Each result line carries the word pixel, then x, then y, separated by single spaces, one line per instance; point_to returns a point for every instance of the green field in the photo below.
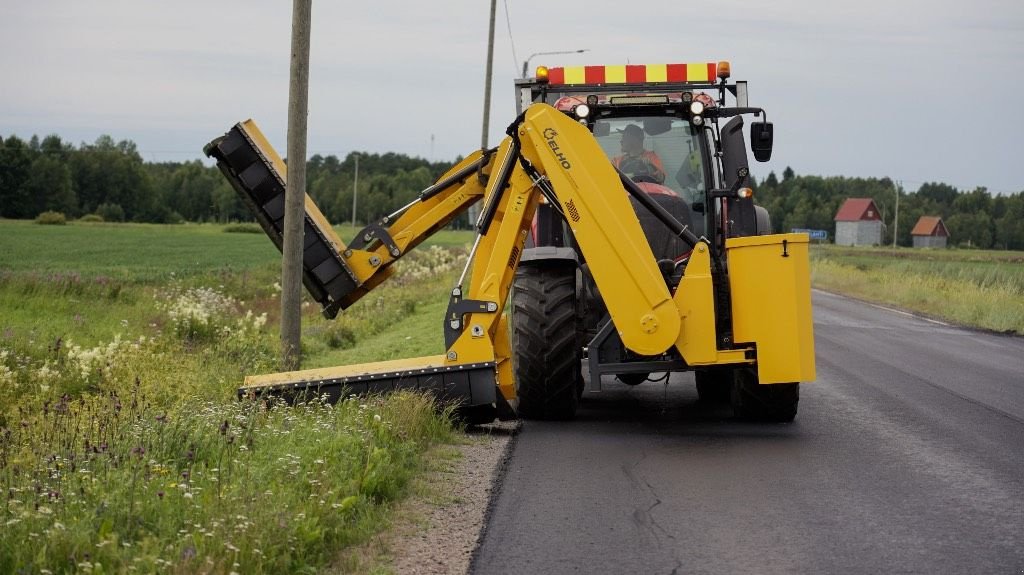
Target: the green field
pixel 122 446
pixel 975 288
pixel 149 252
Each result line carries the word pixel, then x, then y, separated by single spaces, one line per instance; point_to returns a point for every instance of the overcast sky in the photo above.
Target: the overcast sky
pixel 917 90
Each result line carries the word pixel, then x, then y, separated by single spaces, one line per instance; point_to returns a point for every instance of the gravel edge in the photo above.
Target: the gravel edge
pixel 440 531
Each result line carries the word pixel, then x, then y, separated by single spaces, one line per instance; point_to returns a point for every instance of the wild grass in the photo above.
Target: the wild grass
pixel 122 446
pixel 111 483
pixel 403 318
pixel 973 288
pixel 51 219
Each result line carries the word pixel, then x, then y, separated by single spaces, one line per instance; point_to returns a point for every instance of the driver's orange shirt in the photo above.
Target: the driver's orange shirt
pixel 652 160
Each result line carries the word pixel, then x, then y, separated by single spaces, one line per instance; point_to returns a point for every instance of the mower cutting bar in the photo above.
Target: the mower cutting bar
pixel 258 175
pixel 468 384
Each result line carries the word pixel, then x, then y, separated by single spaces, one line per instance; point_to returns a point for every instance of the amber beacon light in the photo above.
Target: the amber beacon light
pixel 723 70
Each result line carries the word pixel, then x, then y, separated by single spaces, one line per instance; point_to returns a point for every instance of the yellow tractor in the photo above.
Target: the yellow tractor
pixel 617 219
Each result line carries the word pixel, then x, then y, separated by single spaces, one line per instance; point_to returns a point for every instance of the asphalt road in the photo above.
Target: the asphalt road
pixel 907 456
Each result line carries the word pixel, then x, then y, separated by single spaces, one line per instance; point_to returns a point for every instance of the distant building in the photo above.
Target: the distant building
pixel 858 223
pixel 930 232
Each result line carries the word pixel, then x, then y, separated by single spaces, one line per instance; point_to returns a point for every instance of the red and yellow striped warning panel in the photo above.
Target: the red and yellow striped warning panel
pixel 633 74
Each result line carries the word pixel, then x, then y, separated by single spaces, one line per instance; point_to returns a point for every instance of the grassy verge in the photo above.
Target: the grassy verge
pixel 114 484
pixel 402 318
pixel 973 288
pixel 122 447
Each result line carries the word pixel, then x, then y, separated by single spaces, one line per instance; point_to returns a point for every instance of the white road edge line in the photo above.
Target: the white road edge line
pixel 899 311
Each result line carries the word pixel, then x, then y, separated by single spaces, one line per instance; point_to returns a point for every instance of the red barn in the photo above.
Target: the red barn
pixel 930 232
pixel 858 223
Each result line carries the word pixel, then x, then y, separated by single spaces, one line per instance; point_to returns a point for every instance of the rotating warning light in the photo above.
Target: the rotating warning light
pixel 723 70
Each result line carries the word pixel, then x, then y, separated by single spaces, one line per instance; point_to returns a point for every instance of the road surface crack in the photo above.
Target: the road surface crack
pixel 644 518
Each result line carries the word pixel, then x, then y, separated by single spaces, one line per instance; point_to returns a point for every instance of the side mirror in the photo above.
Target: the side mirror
pixel 602 129
pixel 761 140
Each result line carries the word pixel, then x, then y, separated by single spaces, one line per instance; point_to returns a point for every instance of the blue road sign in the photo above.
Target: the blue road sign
pixel 813 234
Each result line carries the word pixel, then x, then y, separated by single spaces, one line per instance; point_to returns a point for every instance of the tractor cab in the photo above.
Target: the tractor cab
pixel 672 111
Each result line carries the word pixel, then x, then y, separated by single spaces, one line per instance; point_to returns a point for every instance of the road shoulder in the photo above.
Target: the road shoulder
pixel 438 527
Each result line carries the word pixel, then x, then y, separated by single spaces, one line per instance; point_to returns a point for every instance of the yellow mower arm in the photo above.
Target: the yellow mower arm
pixel 336 274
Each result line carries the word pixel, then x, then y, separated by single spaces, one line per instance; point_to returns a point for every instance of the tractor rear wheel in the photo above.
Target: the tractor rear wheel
pixel 776 402
pixel 714 385
pixel 546 349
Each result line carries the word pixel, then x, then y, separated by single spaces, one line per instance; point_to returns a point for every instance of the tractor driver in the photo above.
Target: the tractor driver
pixel 639 164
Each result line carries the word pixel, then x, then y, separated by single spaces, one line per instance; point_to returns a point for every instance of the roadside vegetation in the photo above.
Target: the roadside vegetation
pixel 969 287
pixel 123 447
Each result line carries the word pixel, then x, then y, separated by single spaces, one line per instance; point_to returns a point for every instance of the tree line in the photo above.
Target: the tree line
pixel 110 179
pixel 974 218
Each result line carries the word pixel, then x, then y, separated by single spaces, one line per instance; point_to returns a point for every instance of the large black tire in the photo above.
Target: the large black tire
pixel 751 401
pixel 546 349
pixel 714 385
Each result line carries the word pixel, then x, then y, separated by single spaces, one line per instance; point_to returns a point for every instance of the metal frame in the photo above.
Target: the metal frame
pixel 598 367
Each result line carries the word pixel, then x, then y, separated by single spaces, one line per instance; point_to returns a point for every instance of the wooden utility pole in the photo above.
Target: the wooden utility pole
pixel 355 191
pixel 295 189
pixel 896 218
pixel 487 81
pixel 474 210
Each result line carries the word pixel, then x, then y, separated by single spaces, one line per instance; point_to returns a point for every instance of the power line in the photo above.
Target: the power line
pixel 511 40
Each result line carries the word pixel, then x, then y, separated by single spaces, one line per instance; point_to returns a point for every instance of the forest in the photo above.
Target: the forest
pixel 110 179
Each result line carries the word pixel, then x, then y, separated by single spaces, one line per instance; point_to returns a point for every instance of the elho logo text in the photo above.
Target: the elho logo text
pixel 549 136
